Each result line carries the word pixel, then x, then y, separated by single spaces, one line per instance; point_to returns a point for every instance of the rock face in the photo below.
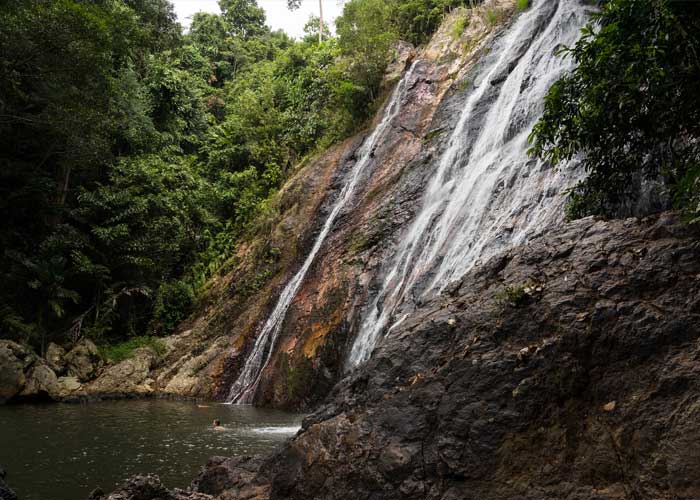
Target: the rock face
pixel 568 369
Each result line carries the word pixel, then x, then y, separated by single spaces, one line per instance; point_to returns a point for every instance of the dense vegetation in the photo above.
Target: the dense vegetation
pixel 133 157
pixel 631 109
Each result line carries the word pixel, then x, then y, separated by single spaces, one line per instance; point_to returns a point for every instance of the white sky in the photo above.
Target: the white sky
pixel 278 16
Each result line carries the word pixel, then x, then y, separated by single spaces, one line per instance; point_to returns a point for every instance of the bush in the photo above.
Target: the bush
pixel 124 350
pixel 458 27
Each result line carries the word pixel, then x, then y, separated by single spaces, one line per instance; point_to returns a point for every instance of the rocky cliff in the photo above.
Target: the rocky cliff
pixel 567 368
pixel 562 363
pixel 207 352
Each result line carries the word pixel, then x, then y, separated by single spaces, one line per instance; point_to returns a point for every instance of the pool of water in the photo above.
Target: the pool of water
pixel 62 452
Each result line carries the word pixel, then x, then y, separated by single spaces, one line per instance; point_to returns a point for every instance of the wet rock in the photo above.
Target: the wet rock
pixel 532 402
pixel 83 361
pixel 55 357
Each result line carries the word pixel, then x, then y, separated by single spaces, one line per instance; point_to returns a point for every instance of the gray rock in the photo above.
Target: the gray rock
pixel 83 361
pixel 67 387
pixel 41 381
pixel 130 377
pixel 55 357
pixel 514 401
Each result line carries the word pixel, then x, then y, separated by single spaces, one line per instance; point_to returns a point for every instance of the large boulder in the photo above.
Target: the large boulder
pixel 233 478
pixel 67 387
pixel 56 358
pixel 130 377
pixel 14 360
pixel 41 381
pixel 148 487
pixel 83 361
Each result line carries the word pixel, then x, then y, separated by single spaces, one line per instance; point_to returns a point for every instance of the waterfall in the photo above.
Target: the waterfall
pixel 243 389
pixel 485 194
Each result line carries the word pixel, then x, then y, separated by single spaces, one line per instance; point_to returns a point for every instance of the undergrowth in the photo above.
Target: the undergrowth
pixel 124 350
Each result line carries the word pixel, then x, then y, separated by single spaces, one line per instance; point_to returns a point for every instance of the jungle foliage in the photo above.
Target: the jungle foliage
pixel 631 108
pixel 134 156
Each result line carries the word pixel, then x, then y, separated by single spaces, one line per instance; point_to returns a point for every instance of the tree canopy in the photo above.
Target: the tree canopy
pixel 134 157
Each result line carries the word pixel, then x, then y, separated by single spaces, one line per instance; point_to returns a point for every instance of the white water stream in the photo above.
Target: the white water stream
pixel 485 194
pixel 243 389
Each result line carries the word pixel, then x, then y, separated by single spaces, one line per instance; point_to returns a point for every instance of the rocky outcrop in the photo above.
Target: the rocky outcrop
pixel 24 376
pixel 232 478
pixel 130 377
pixel 41 380
pixel 567 368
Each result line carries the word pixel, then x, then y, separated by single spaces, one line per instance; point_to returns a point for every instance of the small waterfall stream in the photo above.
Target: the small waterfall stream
pixel 243 389
pixel 485 194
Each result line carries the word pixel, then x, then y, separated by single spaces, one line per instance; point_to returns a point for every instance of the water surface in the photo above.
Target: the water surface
pixel 62 452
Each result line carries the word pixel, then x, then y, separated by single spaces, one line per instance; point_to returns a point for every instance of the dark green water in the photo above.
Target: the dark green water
pixel 62 452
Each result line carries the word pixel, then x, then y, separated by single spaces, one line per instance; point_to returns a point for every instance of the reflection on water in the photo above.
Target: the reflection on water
pixel 62 452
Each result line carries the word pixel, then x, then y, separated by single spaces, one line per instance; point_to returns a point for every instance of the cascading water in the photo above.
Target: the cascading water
pixel 243 389
pixel 486 194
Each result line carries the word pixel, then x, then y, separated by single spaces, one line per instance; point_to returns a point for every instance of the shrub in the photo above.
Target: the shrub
pixel 460 24
pixel 124 350
pixel 523 5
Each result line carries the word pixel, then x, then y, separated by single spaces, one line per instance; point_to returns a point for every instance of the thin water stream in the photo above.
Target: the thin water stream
pixel 243 389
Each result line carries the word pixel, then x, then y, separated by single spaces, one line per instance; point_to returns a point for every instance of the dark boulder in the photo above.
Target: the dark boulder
pixel 5 492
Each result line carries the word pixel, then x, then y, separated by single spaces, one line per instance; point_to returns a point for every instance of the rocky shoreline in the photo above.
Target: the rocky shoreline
pixel 80 374
pixel 568 368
